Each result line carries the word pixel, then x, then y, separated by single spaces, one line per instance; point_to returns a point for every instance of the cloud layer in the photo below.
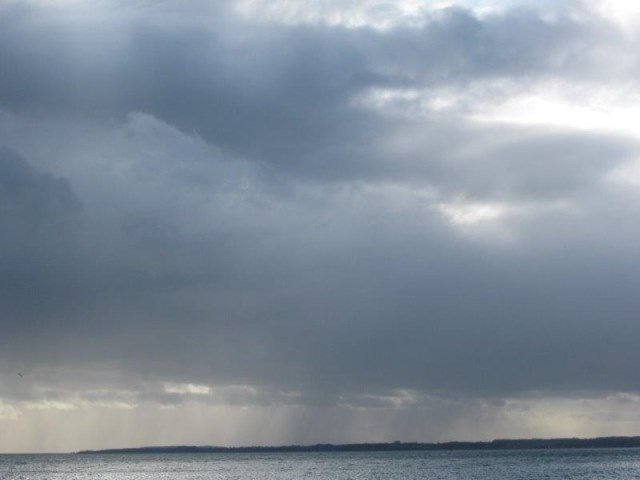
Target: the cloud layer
pixel 335 214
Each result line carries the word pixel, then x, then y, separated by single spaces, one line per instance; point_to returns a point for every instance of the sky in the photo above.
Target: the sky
pixel 276 221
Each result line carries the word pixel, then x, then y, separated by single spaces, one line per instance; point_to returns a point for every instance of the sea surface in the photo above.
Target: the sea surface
pixel 494 465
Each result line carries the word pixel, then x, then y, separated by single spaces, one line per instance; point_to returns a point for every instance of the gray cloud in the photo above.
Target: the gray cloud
pixel 215 205
pixel 276 93
pixel 40 217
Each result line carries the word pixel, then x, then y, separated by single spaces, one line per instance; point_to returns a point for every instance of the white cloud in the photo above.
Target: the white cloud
pixel 351 14
pixel 187 389
pixel 625 13
pixel 611 109
pixel 8 411
pixel 470 213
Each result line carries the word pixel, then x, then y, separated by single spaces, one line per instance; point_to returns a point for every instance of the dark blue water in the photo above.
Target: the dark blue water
pixel 496 465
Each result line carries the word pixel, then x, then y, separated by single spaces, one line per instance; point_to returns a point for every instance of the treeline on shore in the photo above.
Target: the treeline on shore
pixel 501 444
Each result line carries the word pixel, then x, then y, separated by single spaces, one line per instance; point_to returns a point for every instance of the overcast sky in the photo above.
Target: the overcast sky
pixel 279 221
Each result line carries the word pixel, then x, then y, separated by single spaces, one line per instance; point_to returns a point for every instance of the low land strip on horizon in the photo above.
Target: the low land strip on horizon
pixel 500 444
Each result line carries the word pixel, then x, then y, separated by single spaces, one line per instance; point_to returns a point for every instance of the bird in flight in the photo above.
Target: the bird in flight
pixel 20 375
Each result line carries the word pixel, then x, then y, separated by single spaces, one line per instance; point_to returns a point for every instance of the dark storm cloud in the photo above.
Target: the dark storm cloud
pixel 37 208
pixel 40 217
pixel 273 92
pixel 255 225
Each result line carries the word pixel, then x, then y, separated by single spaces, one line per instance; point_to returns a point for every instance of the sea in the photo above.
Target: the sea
pixel 583 464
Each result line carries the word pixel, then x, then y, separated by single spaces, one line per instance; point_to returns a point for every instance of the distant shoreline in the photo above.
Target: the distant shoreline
pixel 500 444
